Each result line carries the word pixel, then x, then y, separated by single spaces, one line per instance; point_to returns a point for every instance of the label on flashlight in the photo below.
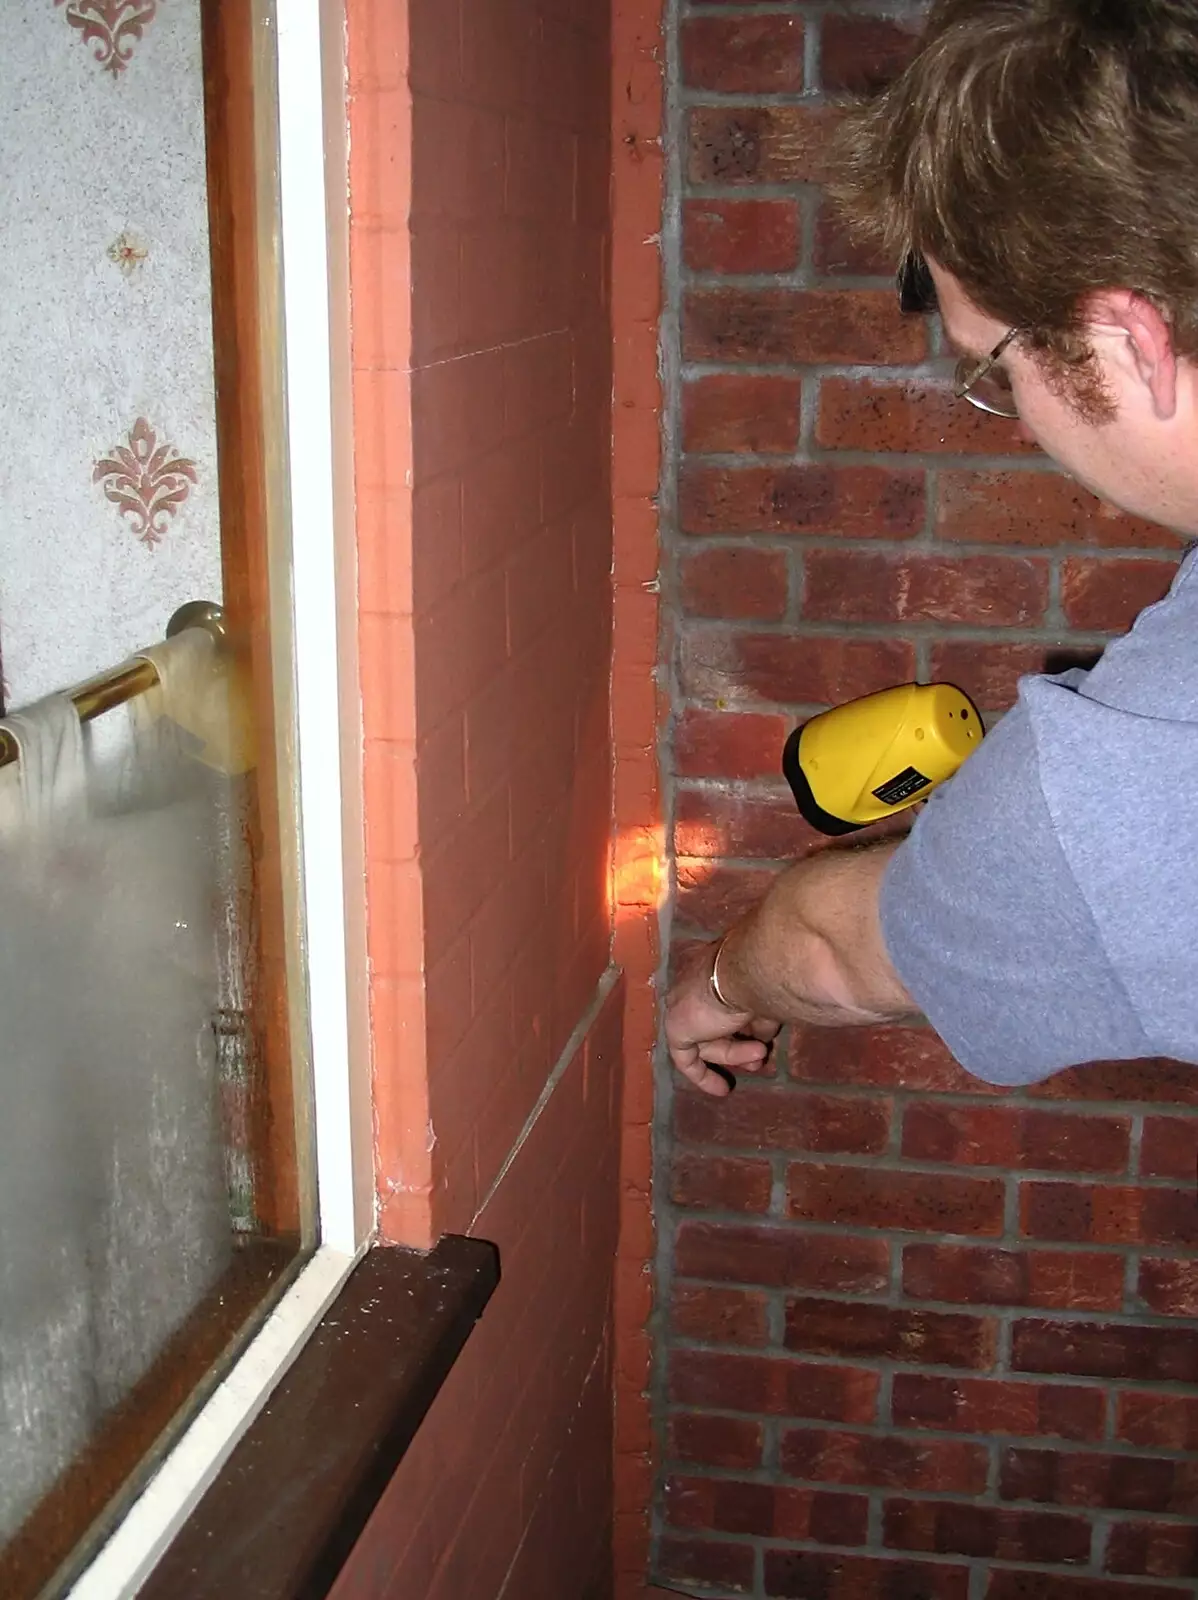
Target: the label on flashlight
pixel 901 787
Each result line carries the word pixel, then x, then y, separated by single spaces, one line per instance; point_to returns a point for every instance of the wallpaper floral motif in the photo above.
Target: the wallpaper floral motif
pixel 113 26
pixel 127 252
pixel 109 513
pixel 146 480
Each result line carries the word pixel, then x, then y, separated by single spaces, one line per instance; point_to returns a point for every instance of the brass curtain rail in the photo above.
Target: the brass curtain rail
pixel 97 695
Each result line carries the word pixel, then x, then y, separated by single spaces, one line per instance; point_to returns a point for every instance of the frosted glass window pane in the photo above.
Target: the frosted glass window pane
pixel 151 1194
pixel 129 1074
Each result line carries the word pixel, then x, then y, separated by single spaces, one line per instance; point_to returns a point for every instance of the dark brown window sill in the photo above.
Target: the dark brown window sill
pixel 286 1509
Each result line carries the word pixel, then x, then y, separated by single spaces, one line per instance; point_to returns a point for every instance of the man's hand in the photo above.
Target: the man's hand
pixel 699 1029
pixel 812 952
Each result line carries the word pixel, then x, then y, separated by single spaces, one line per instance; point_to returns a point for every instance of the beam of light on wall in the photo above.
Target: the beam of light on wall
pixel 639 881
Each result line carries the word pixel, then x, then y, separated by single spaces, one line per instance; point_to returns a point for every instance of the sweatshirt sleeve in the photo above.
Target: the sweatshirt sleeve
pixel 988 929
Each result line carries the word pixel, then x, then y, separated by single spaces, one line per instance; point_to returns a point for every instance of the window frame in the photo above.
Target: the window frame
pixel 317 481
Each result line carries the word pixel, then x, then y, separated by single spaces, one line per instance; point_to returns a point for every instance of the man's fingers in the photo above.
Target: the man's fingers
pixel 733 1052
pixel 692 1066
pixel 762 1028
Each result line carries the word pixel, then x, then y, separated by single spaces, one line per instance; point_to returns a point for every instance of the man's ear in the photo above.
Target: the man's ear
pixel 1138 342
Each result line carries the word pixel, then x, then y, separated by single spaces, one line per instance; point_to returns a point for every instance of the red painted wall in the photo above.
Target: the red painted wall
pixel 922 1338
pixel 480 237
pixel 506 1489
pixel 640 710
pixel 480 233
pixel 511 414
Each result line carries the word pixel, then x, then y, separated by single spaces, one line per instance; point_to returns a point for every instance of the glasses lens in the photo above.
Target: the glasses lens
pixel 916 288
pixel 989 391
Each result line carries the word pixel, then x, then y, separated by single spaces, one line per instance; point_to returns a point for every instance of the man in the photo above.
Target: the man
pixel 1036 168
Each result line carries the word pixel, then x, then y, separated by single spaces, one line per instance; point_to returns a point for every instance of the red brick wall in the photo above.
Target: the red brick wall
pixel 480 222
pixel 639 707
pixel 511 564
pixel 921 1338
pixel 506 1489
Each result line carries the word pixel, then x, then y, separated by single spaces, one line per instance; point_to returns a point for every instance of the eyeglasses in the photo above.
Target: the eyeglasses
pixel 983 383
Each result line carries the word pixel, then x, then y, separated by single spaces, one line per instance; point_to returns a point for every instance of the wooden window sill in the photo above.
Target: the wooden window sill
pixel 288 1505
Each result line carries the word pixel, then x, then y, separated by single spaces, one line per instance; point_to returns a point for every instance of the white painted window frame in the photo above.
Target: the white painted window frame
pixel 312 322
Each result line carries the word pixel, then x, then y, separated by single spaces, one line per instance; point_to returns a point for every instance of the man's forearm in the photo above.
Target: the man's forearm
pixel 812 950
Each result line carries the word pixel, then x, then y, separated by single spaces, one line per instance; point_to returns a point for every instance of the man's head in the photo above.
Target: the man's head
pixel 1042 155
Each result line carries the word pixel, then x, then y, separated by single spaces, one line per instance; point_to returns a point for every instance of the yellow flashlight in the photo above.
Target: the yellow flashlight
pixel 878 755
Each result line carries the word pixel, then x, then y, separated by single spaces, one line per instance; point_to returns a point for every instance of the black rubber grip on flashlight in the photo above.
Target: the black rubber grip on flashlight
pixel 809 807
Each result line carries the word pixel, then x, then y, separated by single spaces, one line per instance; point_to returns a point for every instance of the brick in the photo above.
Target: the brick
pixel 977 1275
pixel 719 1316
pixel 1115 1350
pixel 635 552
pixel 997 1406
pixel 1084 1478
pixel 715 1441
pixel 1011 1136
pixel 740 235
pixel 881 1058
pixel 983 591
pixel 761 822
pixel 781 1258
pixel 1169 1287
pixel 766 1509
pixel 1109 595
pixel 1164 1421
pixel 758 144
pixel 708 744
pixel 804 1574
pixel 740 584
pixel 812 498
pixel 884 1461
pixel 1108 1213
pixel 839 253
pixel 720 1183
pixel 773 1387
pixel 1153 1550
pixel 1153 1081
pixel 709 1561
pixel 911 417
pixel 738 667
pixel 785 1119
pixel 731 412
pixel 893 1333
pixel 743 55
pixel 1036 508
pixel 988 673
pixel 985 1532
pixel 811 326
pixel 905 1201
pixel 1169 1147
pixel 709 897
pixel 862 53
pixel 1017 1585
pixel 727 1271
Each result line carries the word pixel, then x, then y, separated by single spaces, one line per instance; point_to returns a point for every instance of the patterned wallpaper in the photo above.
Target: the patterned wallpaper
pixel 108 493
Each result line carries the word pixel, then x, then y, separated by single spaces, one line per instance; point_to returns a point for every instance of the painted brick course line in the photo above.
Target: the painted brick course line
pixel 915 1335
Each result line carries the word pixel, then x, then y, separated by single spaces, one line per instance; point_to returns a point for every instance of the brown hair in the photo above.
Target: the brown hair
pixel 1041 150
